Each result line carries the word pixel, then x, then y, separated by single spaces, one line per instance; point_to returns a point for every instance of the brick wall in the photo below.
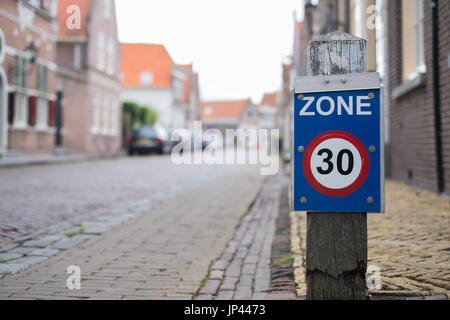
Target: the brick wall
pixel 412 114
pixel 444 67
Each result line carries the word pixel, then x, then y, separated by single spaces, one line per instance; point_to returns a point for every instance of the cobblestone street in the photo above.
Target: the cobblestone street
pixel 410 244
pixel 47 199
pixel 163 253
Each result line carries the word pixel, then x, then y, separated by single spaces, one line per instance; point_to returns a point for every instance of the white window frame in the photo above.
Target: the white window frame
pixel 42 114
pixel 419 40
pixel 111 55
pixel 20 110
pixel 101 51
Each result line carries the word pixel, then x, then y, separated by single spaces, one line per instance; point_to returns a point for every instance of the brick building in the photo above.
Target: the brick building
pixel 27 76
pixel 88 78
pixel 419 74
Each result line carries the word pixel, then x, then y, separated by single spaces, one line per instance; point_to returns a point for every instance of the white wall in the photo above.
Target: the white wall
pixel 160 99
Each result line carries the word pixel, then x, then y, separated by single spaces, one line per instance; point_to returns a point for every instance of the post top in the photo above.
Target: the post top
pixel 337 36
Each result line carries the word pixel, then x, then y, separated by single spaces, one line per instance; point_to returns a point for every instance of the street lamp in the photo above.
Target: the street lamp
pixel 31 52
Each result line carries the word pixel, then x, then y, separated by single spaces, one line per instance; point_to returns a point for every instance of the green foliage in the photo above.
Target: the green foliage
pixel 139 115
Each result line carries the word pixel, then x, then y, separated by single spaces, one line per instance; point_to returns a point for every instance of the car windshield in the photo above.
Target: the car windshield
pixel 146 132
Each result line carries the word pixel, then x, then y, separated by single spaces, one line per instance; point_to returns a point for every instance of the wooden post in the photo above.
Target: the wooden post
pixel 336 243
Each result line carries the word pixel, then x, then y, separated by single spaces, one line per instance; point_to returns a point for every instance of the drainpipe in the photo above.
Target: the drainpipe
pixel 437 98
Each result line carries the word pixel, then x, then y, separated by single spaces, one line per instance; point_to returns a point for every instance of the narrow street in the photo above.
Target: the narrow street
pixel 45 199
pixel 174 222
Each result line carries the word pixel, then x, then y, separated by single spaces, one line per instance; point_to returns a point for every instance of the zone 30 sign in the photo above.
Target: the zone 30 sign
pixel 338 144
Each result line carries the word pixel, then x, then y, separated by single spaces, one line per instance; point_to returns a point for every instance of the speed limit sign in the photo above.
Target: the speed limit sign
pixel 338 144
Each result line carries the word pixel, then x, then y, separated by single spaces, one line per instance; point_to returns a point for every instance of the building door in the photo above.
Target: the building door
pixel 58 118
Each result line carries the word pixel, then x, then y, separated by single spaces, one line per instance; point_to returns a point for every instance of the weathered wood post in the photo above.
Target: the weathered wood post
pixel 336 243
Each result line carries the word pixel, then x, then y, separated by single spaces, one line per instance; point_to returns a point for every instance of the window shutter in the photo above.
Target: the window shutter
pixel 32 111
pixel 11 101
pixel 51 113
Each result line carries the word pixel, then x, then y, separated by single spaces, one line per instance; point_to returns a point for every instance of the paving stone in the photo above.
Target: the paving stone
pixel 23 250
pixel 229 283
pixel 11 268
pixel 42 242
pixel 243 293
pixel 66 244
pixel 259 296
pixel 204 297
pixel 224 295
pixel 9 256
pixel 210 287
pixel 28 261
pixel 249 269
pixel 95 228
pixel 47 252
pixel 219 265
pixel 216 275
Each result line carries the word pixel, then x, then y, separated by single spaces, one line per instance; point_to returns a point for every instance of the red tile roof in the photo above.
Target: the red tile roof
pixel 153 58
pixel 269 99
pixel 63 16
pixel 223 109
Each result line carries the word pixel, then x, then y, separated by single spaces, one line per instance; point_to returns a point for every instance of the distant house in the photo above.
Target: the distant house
pixel 268 111
pixel 88 78
pixel 28 33
pixel 151 77
pixel 235 114
pixel 191 95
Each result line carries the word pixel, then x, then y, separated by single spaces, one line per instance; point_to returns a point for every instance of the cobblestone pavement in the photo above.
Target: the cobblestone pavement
pixel 243 271
pixel 410 245
pixel 47 199
pixel 163 253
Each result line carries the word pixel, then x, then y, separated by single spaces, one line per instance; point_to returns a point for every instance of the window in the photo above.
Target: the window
pixel 42 78
pixel 146 78
pixel 21 72
pixel 113 118
pixel 77 56
pixel 21 110
pixel 107 6
pixel 110 50
pixel 42 113
pixel 207 111
pixel 412 42
pixel 96 113
pixel 101 51
pixel 105 114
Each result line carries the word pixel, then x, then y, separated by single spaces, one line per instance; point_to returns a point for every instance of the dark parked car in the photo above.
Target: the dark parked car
pixel 149 139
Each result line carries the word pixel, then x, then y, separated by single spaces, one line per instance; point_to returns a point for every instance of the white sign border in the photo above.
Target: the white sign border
pixel 341 82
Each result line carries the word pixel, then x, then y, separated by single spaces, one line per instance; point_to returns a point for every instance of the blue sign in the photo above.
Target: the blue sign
pixel 338 145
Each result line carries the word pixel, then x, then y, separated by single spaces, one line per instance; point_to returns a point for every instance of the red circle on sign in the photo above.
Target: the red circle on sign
pixel 365 164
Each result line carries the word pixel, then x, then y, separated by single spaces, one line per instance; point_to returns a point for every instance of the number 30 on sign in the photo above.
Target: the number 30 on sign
pixel 338 144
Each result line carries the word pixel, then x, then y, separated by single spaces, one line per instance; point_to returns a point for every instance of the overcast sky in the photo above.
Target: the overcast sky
pixel 236 46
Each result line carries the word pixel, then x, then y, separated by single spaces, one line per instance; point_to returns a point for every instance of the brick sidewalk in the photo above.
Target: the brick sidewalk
pixel 161 254
pixel 410 244
pixel 243 271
